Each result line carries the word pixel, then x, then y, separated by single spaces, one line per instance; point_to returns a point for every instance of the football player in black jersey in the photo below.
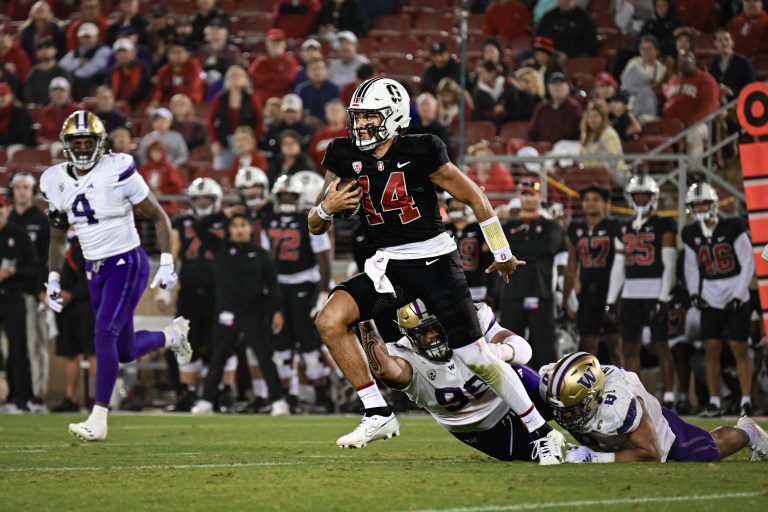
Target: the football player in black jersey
pixel 718 269
pixel 591 246
pixel 644 271
pixel 473 251
pixel 396 179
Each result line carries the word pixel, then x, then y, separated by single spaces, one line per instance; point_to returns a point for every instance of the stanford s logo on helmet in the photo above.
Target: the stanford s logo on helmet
pixel 87 126
pixel 384 98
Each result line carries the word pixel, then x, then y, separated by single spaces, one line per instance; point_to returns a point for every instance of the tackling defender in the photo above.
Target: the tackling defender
pixel 96 193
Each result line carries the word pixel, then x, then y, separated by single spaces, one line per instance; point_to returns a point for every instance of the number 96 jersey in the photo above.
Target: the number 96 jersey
pixel 99 205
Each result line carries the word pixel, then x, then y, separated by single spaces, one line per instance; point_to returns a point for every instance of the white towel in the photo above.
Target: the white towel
pixel 375 269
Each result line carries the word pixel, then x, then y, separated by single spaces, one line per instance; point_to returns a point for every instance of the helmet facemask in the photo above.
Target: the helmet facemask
pixel 376 134
pixel 254 202
pixel 429 339
pixel 203 212
pixel 576 416
pixel 286 202
pixel 83 151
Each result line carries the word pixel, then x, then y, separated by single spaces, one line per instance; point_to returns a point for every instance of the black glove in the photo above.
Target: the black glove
pixel 733 305
pixel 659 313
pixel 611 313
pixel 698 302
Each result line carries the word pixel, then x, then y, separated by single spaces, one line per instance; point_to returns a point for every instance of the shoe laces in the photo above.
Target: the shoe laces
pixel 542 448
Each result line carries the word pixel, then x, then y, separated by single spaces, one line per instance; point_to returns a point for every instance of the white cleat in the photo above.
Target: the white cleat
pixel 280 408
pixel 202 408
pixel 549 449
pixel 759 446
pixel 180 346
pixel 89 430
pixel 371 428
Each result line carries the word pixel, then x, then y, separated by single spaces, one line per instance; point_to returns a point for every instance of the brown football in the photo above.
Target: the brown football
pixel 349 212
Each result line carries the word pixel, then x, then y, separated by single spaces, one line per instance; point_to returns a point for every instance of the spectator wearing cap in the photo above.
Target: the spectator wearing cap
pixel 15 125
pixel 217 54
pixel 89 62
pixel 159 31
pixel 105 109
pixel 642 78
pixel 441 65
pixel 181 75
pixel 129 15
pixel 235 105
pixel 290 158
pixel 545 58
pixel 272 74
pixel 571 28
pixel 336 121
pixel 605 86
pixel 558 117
pixel 750 29
pixel 129 78
pixel 492 178
pixel 40 25
pixel 175 147
pixel 41 74
pixel 311 49
pixel 631 15
pixel 182 34
pixel 599 138
pixel 528 301
pixel 207 13
pixel 186 122
pixel 506 18
pixel 142 51
pixel 14 59
pixel 448 94
pixel 622 119
pixel 90 12
pixel 297 18
pixel 337 15
pixel 662 26
pixel 162 177
pixel 246 154
pixel 427 108
pixel 731 70
pixel 317 90
pixel 343 69
pixel 494 98
pixel 292 118
pixel 53 115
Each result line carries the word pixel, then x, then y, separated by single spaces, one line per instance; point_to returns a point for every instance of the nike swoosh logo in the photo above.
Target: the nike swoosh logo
pixel 720 238
pixel 401 165
pixel 431 262
pixel 302 294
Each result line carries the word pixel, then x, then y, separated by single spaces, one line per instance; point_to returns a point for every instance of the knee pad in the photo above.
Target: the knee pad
pixel 195 367
pixel 231 364
pixel 251 357
pixel 284 362
pixel 315 369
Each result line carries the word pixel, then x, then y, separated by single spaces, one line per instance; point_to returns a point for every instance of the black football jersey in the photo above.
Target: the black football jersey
pixel 678 309
pixel 643 247
pixel 399 203
pixel 716 254
pixel 595 249
pixel 196 264
pixel 474 261
pixel 289 241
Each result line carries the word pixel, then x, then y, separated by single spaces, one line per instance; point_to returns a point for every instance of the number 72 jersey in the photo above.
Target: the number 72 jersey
pixel 99 205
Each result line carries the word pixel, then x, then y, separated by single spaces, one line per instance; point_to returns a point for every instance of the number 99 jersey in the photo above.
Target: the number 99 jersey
pixel 99 204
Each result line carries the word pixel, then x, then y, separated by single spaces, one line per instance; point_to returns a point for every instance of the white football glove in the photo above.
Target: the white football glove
pixel 579 454
pixel 166 275
pixel 322 298
pixel 53 292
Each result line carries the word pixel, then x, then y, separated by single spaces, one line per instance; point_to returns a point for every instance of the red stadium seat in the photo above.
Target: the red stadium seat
pixel 760 63
pixel 3 156
pixel 590 65
pixel 475 131
pixel 390 25
pixel 31 157
pixel 514 129
pixel 668 127
pixel 432 23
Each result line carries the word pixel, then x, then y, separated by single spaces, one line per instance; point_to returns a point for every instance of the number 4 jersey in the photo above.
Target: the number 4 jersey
pixel 99 204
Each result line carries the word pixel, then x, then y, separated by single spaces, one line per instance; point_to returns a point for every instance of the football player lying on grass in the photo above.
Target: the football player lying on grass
pixel 422 365
pixel 607 409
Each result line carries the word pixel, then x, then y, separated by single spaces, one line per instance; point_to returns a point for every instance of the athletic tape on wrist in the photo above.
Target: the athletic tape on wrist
pixel 495 238
pixel 323 214
pixel 166 258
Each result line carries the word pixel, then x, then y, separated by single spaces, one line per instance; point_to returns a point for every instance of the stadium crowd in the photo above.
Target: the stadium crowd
pixel 240 99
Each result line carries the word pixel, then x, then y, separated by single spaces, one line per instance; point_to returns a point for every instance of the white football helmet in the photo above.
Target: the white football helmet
pixel 286 194
pixel 205 187
pixel 701 193
pixel 252 177
pixel 642 184
pixel 455 209
pixel 83 124
pixel 423 330
pixel 388 99
pixel 312 184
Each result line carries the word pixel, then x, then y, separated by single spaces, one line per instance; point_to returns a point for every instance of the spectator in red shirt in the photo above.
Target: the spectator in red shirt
pixel 692 94
pixel 297 18
pixel 129 78
pixel 54 114
pixel 272 74
pixel 491 177
pixel 336 126
pixel 506 18
pixel 12 56
pixel 699 14
pixel 41 25
pixel 750 29
pixel 90 11
pixel 559 117
pixel 180 76
pixel 246 154
pixel 161 176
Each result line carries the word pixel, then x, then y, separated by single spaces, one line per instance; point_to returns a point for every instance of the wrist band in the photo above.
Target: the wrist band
pixel 54 276
pixel 323 214
pixel 494 237
pixel 166 258
pixel 603 457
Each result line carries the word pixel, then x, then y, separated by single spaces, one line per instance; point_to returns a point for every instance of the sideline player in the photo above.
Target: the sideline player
pixel 473 252
pixel 96 193
pixel 607 409
pixel 422 366
pixel 396 180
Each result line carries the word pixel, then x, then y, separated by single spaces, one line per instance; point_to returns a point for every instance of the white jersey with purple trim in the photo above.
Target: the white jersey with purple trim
pixel 99 204
pixel 457 398
pixel 619 414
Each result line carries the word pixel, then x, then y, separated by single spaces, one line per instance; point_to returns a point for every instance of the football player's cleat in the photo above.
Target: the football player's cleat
pixel 549 449
pixel 180 346
pixel 758 438
pixel 89 430
pixel 711 411
pixel 574 386
pixel 202 408
pixel 280 408
pixel 385 98
pixel 371 428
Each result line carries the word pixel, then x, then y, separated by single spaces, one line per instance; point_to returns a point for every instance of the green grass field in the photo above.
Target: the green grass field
pixel 254 463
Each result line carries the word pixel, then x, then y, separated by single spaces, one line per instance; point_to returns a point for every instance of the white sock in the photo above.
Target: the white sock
pixel 746 400
pixel 499 376
pixel 669 396
pixel 532 418
pixel 752 435
pixel 714 400
pixel 99 414
pixel 259 387
pixel 371 396
pixel 293 385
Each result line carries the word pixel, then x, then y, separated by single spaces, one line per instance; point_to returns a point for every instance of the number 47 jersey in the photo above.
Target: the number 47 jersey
pixel 99 204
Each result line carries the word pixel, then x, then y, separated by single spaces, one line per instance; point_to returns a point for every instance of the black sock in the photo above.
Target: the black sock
pixel 542 431
pixel 380 411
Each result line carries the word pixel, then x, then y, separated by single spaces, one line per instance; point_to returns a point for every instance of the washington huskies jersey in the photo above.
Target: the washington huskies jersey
pixel 457 398
pixel 293 246
pixel 474 261
pixel 644 265
pixel 99 204
pixel 197 269
pixel 595 248
pixel 399 204
pixel 719 267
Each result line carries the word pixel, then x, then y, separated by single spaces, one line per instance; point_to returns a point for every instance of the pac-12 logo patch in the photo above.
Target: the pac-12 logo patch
pixel 432 374
pixel 357 166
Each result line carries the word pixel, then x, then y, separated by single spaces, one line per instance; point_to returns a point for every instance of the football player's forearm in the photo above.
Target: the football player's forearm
pixel 638 455
pixel 324 263
pixel 317 226
pixel 382 365
pixel 163 230
pixel 57 250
